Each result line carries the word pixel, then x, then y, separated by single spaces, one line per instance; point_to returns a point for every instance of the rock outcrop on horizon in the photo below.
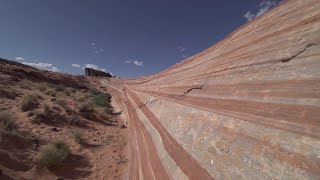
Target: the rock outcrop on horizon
pixel 246 108
pixel 97 73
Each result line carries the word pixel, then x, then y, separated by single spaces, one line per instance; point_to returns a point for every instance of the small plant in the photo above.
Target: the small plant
pixel 86 110
pixel 54 154
pixel 25 84
pixel 7 124
pixel 29 102
pixel 77 135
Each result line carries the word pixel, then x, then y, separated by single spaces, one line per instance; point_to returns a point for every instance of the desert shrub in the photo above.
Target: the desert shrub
pixel 51 92
pixel 86 110
pixel 7 92
pixel 80 96
pixel 25 84
pixel 29 102
pixel 7 124
pixel 103 100
pixel 47 116
pixel 62 102
pixel 59 88
pixel 42 86
pixel 94 91
pixel 54 154
pixel 68 91
pixel 77 136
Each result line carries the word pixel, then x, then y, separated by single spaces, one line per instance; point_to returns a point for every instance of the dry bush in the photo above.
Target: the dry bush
pixel 25 84
pixel 7 124
pixel 86 110
pixel 29 102
pixel 54 154
pixel 77 136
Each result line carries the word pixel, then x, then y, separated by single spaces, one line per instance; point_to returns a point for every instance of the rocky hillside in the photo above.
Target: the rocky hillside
pixel 57 126
pixel 246 108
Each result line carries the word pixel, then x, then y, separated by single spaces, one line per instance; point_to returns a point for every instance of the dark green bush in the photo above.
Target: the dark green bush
pixel 103 100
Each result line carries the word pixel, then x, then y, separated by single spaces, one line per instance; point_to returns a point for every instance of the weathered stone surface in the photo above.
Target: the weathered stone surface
pixel 246 108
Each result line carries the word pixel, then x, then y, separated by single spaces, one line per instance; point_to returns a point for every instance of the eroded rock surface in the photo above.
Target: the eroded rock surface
pixel 246 108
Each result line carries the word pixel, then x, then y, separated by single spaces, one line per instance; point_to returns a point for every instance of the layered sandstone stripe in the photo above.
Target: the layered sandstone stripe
pixel 246 108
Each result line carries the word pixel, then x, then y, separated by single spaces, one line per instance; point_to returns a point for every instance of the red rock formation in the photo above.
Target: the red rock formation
pixel 246 108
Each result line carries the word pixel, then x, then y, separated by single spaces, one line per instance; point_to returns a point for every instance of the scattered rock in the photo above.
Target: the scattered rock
pixel 55 129
pixel 123 126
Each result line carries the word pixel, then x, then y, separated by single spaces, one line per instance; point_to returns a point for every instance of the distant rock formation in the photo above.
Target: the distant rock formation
pixel 93 72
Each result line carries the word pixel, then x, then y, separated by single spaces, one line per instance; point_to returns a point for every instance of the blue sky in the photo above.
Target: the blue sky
pixel 128 38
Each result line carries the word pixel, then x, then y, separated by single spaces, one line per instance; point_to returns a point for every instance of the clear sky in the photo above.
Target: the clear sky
pixel 129 38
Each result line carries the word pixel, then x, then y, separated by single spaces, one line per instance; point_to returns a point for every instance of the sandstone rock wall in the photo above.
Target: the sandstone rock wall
pixel 246 108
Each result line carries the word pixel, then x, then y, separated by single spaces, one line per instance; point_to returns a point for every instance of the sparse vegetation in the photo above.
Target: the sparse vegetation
pixel 68 91
pixel 29 102
pixel 54 154
pixel 86 110
pixel 7 124
pixel 77 135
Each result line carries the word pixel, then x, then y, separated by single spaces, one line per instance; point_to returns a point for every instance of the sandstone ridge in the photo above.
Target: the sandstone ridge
pixel 246 108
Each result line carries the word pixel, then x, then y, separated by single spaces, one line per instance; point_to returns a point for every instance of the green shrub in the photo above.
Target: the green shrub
pixel 77 135
pixel 29 102
pixel 7 124
pixel 86 110
pixel 25 84
pixel 103 100
pixel 54 154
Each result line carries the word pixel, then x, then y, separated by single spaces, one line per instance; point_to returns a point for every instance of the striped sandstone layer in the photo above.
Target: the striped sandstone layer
pixel 246 108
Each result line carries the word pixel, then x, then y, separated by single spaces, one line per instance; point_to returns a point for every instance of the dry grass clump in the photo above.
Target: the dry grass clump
pixel 42 86
pixel 47 116
pixel 51 92
pixel 7 124
pixel 54 154
pixel 29 102
pixel 77 136
pixel 25 84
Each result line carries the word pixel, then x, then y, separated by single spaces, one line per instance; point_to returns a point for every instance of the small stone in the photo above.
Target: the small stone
pixel 59 178
pixel 123 126
pixel 55 129
pixel 0 172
